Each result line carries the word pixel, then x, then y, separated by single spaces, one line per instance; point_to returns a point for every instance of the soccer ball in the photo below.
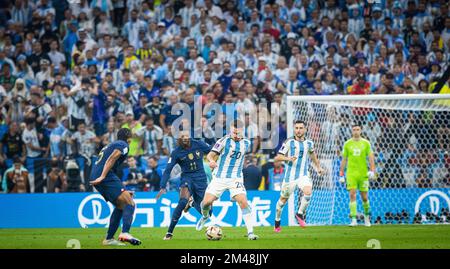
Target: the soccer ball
pixel 213 232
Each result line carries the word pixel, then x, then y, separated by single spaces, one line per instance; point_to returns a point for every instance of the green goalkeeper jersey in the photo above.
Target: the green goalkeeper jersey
pixel 356 152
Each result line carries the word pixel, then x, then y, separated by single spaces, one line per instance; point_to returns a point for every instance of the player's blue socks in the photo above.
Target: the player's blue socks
pixel 127 217
pixel 114 223
pixel 177 214
pixel 197 206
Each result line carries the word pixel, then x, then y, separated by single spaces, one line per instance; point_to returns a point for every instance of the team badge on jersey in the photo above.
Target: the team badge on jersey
pixel 191 156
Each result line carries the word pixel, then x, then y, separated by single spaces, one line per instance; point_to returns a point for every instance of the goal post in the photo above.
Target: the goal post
pixel 410 137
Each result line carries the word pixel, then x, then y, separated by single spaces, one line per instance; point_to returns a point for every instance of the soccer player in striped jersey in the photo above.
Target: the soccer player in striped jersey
pixel 227 160
pixel 297 152
pixel 355 154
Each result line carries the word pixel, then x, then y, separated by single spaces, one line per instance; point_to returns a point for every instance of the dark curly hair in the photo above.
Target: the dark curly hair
pixel 124 134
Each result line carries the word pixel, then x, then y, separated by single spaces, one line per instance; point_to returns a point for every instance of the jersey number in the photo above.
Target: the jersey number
pixel 239 185
pixel 193 166
pixel 100 156
pixel 235 154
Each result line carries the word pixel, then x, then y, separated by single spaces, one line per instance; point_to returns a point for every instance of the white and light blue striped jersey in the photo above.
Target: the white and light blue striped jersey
pixel 151 138
pixel 169 143
pixel 231 157
pixel 300 149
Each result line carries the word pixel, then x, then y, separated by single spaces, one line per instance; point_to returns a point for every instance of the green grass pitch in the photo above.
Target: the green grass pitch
pixel 315 237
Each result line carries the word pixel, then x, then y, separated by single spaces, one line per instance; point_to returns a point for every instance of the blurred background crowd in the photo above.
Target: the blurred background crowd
pixel 72 72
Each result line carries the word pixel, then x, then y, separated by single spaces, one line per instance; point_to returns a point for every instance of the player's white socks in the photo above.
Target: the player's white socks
pixel 304 204
pixel 205 210
pixel 247 216
pixel 280 206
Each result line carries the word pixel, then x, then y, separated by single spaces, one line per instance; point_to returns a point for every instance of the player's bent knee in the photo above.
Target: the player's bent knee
pixel 241 200
pixel 243 204
pixel 208 199
pixel 206 203
pixel 184 193
pixel 125 199
pixel 120 203
pixel 307 190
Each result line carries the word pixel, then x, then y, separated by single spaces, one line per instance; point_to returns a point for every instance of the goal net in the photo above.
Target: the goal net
pixel 410 137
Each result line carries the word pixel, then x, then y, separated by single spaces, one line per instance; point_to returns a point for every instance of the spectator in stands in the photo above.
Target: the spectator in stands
pixel 84 140
pixel 16 178
pixel 252 173
pixel 135 180
pixel 12 146
pixel 56 179
pixel 361 87
pixel 35 153
pixel 155 174
pixel 152 137
pixel 135 126
pixel 276 176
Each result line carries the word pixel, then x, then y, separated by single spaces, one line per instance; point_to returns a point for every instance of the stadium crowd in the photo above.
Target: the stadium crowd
pixel 74 71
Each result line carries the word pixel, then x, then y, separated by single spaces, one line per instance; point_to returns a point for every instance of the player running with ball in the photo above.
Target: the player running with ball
pixel 296 152
pixel 227 175
pixel 354 155
pixel 189 155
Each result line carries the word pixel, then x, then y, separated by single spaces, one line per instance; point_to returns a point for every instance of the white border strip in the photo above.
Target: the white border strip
pixel 364 97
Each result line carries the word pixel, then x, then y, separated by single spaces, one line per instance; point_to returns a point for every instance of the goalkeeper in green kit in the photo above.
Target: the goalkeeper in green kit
pixel 356 152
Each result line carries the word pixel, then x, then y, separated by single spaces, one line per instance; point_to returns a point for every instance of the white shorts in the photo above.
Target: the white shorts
pixel 288 188
pixel 218 185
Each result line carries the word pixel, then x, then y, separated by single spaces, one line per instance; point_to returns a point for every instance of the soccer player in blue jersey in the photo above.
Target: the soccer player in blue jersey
pixel 189 155
pixel 296 152
pixel 229 153
pixel 105 180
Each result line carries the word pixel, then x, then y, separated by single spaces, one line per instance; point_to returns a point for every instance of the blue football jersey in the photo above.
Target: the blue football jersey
pixel 190 161
pixel 105 153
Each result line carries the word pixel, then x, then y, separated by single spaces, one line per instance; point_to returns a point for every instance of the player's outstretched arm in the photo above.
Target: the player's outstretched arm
pixel 282 158
pixel 166 175
pixel 108 165
pixel 212 158
pixel 316 162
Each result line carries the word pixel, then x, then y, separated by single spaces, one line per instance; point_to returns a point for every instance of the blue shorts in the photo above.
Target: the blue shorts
pixel 197 187
pixel 110 188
